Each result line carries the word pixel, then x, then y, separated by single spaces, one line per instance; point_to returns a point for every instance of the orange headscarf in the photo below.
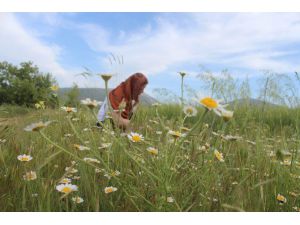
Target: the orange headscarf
pixel 128 91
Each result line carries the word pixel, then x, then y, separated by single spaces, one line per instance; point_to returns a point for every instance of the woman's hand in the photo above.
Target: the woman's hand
pixel 120 121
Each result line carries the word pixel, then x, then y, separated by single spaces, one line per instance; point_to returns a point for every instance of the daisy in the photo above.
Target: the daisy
pixel 153 151
pixel 226 114
pixel 293 194
pixel 76 178
pixel 71 170
pixel 90 103
pixel 91 160
pixel 156 104
pixel 170 199
pixel 37 126
pixel 110 189
pixel 135 137
pixel 185 129
pixel 104 145
pixel 175 134
pixel 286 162
pixel 66 188
pixel 68 109
pixel 77 199
pixel 231 138
pixel 296 208
pixel 281 199
pixel 30 176
pixel 98 170
pixel 65 181
pixel 212 104
pixel 154 121
pixel 190 111
pixel 81 147
pixel 219 156
pixel 115 173
pixel 24 158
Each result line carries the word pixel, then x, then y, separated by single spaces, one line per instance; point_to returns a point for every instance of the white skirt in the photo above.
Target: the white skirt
pixel 103 111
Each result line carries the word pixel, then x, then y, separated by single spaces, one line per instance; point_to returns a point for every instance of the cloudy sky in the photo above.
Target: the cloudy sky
pixel 157 44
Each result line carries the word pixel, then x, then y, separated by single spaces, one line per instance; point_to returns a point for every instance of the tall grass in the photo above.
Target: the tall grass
pixel 249 179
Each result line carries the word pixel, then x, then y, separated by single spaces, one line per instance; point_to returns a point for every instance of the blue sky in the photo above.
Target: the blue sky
pixel 157 44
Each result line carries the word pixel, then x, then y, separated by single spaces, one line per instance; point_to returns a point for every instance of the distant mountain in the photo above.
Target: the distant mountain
pixel 99 95
pixel 251 102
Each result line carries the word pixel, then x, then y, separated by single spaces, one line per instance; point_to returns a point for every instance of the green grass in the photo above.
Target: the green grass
pixel 248 180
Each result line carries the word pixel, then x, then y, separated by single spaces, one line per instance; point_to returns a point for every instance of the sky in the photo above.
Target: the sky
pixel 156 44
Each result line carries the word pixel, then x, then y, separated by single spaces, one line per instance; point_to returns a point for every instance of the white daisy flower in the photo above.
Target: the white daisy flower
pixel 176 134
pixel 66 188
pixel 65 181
pixel 135 137
pixel 71 170
pixel 90 103
pixel 104 145
pixel 110 189
pixel 68 109
pixel 37 126
pixel 91 160
pixel 190 111
pixel 170 199
pixel 77 199
pixel 219 156
pixel 152 150
pixel 212 104
pixel 81 147
pixel 24 158
pixel 30 176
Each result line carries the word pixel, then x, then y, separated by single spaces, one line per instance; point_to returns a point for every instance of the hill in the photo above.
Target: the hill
pixel 99 95
pixel 251 102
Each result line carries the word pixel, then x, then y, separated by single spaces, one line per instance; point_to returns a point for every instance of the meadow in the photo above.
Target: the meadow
pixel 173 162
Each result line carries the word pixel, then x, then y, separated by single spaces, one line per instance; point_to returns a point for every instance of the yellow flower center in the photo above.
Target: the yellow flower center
pixel 153 151
pixel 209 103
pixel 25 158
pixel 189 111
pixel 219 156
pixel 136 138
pixel 38 127
pixel 66 190
pixel 91 105
pixel 109 190
pixel 176 134
pixel 69 109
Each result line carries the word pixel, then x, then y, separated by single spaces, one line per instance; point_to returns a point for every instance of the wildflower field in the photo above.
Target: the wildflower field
pixel 174 159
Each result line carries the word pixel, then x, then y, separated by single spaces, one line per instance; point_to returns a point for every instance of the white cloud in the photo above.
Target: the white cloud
pixel 18 44
pixel 254 41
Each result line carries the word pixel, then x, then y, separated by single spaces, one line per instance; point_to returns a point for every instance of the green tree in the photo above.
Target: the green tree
pixel 73 96
pixel 24 84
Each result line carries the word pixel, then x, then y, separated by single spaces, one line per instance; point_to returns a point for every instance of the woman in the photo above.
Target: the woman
pixel 123 100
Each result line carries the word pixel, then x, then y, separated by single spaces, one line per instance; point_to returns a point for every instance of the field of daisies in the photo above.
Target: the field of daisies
pixel 205 157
